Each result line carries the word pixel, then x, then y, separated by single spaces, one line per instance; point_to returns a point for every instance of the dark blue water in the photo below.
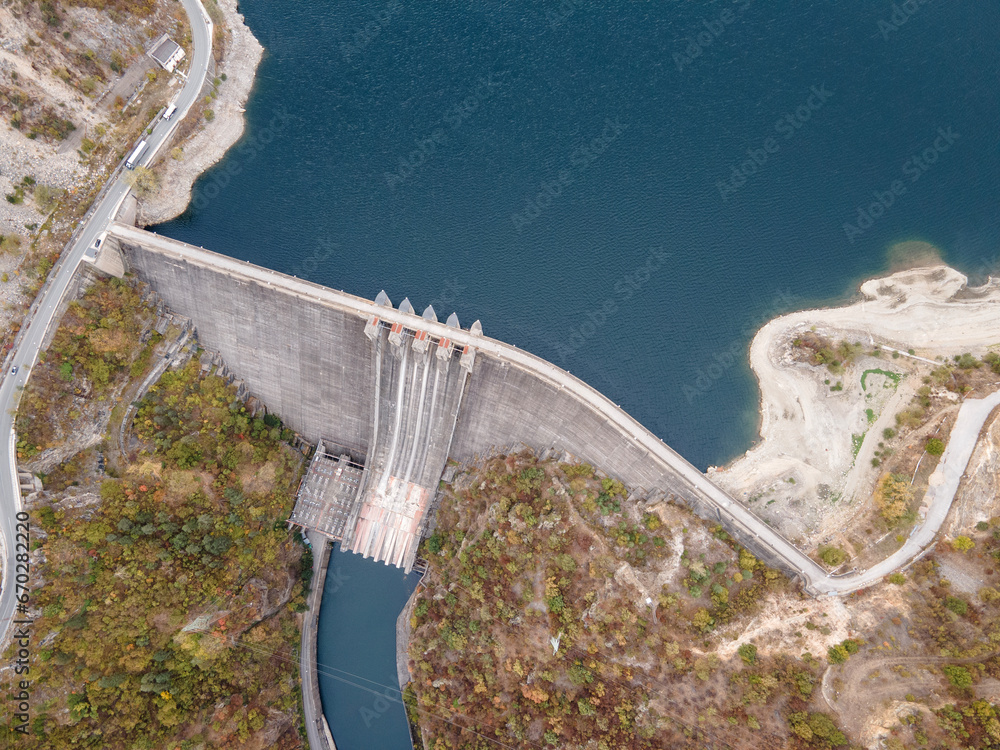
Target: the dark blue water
pixel 356 652
pixel 519 162
pixel 336 107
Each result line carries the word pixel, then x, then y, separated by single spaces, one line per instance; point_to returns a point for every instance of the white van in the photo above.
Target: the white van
pixel 170 112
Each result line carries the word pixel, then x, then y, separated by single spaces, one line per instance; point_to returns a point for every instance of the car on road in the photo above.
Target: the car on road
pixel 13 370
pixel 91 254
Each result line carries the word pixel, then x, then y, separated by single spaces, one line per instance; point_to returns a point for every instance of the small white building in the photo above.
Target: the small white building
pixel 166 52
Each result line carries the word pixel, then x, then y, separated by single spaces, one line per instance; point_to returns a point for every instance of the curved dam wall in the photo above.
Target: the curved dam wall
pixel 309 363
pixel 301 348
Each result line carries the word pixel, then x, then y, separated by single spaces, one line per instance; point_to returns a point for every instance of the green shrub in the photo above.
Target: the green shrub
pixel 573 471
pixel 956 605
pixel 651 521
pixel 748 653
pixel 837 654
pixel 832 556
pixel 960 677
pixel 435 543
pixel 963 543
pixel 993 360
pixel 841 652
pixel 934 446
pixel 967 361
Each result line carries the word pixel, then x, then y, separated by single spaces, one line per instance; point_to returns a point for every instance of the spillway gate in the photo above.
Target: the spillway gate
pixel 379 506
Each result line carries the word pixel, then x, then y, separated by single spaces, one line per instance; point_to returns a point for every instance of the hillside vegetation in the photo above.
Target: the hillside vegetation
pixel 76 91
pixel 930 674
pixel 74 50
pixel 165 600
pixel 103 339
pixel 556 613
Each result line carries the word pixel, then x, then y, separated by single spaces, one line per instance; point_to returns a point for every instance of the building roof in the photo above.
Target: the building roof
pixel 164 50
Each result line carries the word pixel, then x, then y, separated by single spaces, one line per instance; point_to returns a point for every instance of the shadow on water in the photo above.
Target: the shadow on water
pixel 356 652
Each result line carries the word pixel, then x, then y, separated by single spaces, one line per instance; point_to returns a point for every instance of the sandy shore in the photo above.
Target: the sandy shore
pixel 804 472
pixel 209 144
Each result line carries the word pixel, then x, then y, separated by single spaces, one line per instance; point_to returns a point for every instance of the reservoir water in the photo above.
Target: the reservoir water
pixel 629 191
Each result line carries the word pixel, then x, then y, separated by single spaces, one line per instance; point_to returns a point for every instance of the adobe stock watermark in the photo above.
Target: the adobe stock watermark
pixel 454 117
pixel 246 151
pixel 365 35
pixel 309 266
pixel 901 13
pixel 708 374
pixel 382 703
pixel 787 127
pixel 580 160
pixel 335 581
pixel 913 169
pixel 624 290
pixel 558 11
pixel 711 29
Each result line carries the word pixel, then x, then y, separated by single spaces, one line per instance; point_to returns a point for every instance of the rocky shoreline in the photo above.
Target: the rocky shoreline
pixel 810 417
pixel 213 139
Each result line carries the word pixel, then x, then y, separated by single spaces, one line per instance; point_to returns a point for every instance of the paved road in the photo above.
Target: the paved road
pixel 940 494
pixel 38 320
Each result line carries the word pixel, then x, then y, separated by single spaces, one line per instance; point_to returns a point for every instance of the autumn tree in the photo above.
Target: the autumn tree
pixel 893 496
pixel 143 181
pixel 963 543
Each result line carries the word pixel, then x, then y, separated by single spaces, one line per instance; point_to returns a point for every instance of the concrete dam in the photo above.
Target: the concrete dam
pixel 389 396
